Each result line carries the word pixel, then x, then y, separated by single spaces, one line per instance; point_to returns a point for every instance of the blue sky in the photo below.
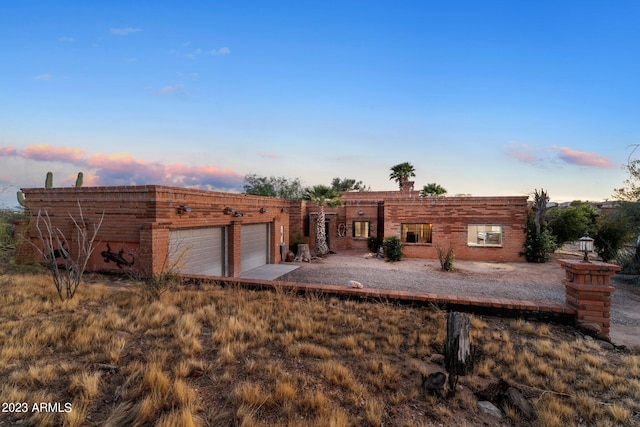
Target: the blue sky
pixel 484 98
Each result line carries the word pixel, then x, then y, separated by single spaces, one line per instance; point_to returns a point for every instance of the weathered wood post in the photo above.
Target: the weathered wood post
pixel 457 351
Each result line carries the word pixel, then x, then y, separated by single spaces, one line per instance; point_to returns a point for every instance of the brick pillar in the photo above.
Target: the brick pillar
pixel 154 249
pixel 235 234
pixel 588 291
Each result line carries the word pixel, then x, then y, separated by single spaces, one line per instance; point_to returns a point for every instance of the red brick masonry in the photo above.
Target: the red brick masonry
pixel 588 290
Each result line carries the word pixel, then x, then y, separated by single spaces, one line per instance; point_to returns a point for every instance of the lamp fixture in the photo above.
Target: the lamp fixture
pixel 264 210
pixel 586 245
pixel 228 210
pixel 238 214
pixel 284 210
pixel 183 209
pixel 360 212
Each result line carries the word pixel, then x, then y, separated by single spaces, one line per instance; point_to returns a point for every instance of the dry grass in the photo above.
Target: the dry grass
pixel 228 356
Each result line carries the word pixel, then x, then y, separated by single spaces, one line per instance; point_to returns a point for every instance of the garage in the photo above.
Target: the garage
pixel 254 244
pixel 198 250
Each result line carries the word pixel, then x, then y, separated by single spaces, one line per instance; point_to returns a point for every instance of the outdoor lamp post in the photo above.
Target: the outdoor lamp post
pixel 586 245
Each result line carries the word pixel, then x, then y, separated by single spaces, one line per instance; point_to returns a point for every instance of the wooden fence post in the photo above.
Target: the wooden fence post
pixel 457 351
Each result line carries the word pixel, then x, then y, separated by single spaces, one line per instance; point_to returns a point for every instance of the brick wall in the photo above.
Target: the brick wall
pixel 386 211
pixel 450 217
pixel 138 219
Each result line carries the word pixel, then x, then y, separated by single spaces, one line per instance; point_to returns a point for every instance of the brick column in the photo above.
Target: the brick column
pixel 588 291
pixel 234 236
pixel 154 249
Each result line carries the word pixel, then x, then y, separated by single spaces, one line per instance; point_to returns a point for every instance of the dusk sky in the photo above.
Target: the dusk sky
pixel 482 97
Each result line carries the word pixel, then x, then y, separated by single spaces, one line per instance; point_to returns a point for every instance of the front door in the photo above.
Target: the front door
pixel 327 233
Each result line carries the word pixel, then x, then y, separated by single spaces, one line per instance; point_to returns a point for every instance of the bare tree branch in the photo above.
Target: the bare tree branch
pixel 66 268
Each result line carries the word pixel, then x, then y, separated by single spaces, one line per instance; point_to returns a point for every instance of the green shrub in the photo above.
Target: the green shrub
pixel 629 260
pixel 393 248
pixel 609 238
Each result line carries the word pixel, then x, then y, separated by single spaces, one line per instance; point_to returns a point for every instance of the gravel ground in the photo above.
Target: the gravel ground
pixel 371 276
pixel 535 282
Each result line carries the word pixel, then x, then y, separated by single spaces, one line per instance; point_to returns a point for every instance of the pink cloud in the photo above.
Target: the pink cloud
pixel 8 151
pixel 522 152
pixel 583 158
pixel 203 176
pixel 47 152
pixel 124 169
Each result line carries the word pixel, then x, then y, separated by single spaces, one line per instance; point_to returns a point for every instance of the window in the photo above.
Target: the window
pixel 484 235
pixel 416 233
pixel 361 229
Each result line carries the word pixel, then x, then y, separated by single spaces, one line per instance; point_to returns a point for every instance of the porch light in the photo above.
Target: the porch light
pixel 361 212
pixel 264 210
pixel 183 209
pixel 228 210
pixel 586 245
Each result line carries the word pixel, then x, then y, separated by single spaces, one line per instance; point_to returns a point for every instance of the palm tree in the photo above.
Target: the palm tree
pixel 322 196
pixel 432 189
pixel 402 172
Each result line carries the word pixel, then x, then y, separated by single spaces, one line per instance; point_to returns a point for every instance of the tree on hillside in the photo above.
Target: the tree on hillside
pixel 402 172
pixel 322 196
pixel 348 184
pixel 432 189
pixel 570 223
pixel 282 187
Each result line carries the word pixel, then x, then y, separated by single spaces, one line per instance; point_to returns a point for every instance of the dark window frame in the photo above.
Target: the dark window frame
pixel 416 233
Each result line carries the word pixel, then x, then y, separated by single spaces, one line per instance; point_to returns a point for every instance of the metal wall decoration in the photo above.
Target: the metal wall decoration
pixel 342 230
pixel 117 258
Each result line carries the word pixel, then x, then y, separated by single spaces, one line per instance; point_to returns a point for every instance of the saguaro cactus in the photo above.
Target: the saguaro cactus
pixel 79 179
pixel 48 183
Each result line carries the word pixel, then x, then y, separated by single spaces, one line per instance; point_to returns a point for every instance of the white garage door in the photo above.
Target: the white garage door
pixel 254 246
pixel 198 250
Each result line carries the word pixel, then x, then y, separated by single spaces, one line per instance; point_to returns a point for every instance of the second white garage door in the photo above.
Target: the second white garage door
pixel 254 246
pixel 198 250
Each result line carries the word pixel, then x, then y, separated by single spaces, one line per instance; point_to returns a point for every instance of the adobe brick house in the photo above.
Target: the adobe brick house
pixel 478 228
pixel 147 228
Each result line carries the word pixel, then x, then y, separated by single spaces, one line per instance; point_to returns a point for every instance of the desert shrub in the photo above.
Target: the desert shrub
pixel 373 243
pixel 628 259
pixel 66 267
pixel 446 257
pixel 610 237
pixel 153 287
pixel 393 248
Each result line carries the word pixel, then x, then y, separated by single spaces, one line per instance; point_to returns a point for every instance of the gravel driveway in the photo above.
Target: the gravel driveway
pixel 535 282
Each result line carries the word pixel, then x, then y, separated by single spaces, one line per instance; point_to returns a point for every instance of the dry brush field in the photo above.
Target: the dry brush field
pixel 228 356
